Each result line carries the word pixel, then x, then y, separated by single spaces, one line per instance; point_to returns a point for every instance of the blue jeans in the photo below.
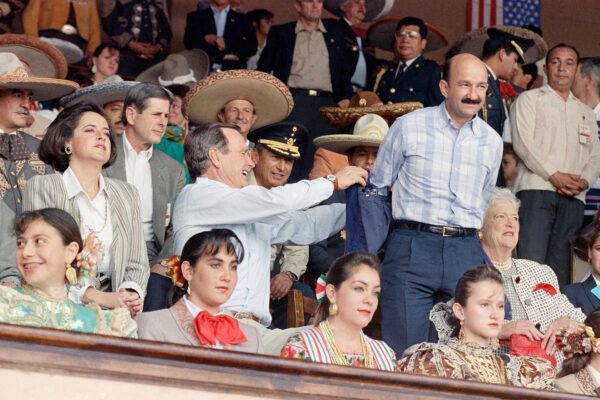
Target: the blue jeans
pixel 420 269
pixel 548 220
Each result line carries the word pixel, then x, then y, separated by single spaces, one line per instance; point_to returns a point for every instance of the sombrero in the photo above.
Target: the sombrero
pixel 366 103
pixel 43 58
pixel 369 130
pixel 13 75
pixel 472 42
pixel 185 68
pixel 382 35
pixel 270 97
pixel 376 9
pixel 101 94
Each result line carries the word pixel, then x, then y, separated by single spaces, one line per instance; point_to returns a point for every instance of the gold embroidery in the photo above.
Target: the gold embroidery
pixel 19 166
pixel 185 321
pixel 4 185
pixel 585 382
pixel 36 164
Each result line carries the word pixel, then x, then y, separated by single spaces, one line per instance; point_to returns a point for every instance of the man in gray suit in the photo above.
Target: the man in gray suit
pixel 158 178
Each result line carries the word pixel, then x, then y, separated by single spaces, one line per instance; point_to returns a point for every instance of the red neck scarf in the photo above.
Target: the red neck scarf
pixel 360 32
pixel 223 328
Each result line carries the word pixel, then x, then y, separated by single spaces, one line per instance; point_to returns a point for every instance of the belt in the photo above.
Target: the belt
pixel 311 92
pixel 446 231
pixel 245 315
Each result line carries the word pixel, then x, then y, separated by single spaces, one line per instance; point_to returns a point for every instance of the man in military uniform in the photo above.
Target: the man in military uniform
pixel 414 78
pixel 19 158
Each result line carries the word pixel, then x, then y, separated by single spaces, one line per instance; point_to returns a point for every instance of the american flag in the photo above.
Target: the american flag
pixel 502 12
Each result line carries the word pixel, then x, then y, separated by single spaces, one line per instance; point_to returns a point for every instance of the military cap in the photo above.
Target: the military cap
pixel 285 138
pixel 520 44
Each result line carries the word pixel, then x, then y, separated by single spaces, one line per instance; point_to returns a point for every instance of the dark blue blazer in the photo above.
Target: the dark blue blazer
pixel 239 35
pixel 420 82
pixel 580 294
pixel 352 52
pixel 278 54
pixel 494 105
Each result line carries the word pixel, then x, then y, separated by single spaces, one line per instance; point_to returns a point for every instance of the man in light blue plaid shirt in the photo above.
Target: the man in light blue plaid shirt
pixel 442 163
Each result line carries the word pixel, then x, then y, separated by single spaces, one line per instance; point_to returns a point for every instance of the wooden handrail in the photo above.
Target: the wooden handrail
pixel 164 364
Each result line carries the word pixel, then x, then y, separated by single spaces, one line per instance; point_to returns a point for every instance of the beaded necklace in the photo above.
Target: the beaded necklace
pixel 336 352
pixel 65 323
pixel 503 266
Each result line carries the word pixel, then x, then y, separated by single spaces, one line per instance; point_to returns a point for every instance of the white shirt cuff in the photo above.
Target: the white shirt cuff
pixel 134 286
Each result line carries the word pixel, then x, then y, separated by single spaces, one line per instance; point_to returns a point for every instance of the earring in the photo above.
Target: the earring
pixel 333 309
pixel 68 149
pixel 461 334
pixel 188 289
pixel 94 69
pixel 71 274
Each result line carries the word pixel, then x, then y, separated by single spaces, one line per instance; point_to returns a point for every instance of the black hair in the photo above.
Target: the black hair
pixel 340 271
pixel 493 46
pixel 406 21
pixel 530 69
pixel 103 46
pixel 258 14
pixel 562 45
pixel 203 244
pixel 52 146
pixel 178 90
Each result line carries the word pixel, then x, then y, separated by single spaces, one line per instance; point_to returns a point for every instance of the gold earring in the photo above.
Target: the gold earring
pixel 71 274
pixel 333 309
pixel 461 334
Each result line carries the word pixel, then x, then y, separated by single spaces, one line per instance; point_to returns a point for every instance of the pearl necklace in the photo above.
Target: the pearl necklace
pixel 336 352
pixel 503 266
pixel 89 228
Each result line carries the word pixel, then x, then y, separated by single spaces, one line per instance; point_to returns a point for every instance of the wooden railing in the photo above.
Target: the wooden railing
pixel 174 369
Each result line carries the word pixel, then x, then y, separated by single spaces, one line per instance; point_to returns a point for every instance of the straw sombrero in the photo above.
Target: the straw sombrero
pixel 271 97
pixel 43 58
pixel 376 9
pixel 369 130
pixel 366 103
pixel 185 68
pixel 472 42
pixel 101 94
pixel 382 35
pixel 14 76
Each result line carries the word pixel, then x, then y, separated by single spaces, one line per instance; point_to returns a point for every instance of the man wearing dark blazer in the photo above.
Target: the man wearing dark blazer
pixel 580 294
pixel 227 36
pixel 308 56
pixel 414 78
pixel 158 178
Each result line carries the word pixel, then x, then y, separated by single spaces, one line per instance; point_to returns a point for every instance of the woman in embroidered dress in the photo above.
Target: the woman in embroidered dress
pixel 48 242
pixel 538 309
pixel 476 318
pixel 78 145
pixel 351 295
pixel 203 280
pixel 581 371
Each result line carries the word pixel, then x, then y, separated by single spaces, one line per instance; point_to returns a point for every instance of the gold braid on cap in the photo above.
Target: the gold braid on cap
pixel 517 48
pixel 288 147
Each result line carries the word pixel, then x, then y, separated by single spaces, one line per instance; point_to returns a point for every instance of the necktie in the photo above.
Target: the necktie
pixel 223 328
pixel 400 71
pixel 12 147
pixel 360 32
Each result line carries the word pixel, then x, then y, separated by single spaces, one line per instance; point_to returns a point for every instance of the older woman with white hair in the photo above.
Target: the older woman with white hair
pixel 538 309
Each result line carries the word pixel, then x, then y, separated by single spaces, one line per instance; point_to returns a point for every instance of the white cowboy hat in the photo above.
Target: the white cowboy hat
pixel 184 68
pixel 369 130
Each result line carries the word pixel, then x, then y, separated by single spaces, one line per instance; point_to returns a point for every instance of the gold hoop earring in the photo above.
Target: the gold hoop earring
pixel 333 309
pixel 461 334
pixel 71 274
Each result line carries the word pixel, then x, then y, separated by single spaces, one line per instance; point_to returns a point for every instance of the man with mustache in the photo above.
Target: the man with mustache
pixel 19 159
pixel 441 163
pixel 556 136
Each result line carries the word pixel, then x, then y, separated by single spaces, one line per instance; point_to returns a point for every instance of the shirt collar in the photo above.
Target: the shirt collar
pixel 597 111
pixel 446 117
pixel 225 10
pixel 300 27
pixel 10 133
pixel 491 72
pixel 194 309
pixel 547 88
pixel 409 62
pixel 74 187
pixel 130 150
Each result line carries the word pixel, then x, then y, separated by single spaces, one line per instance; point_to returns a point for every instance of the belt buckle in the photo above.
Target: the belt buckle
pixel 444 234
pixel 243 315
pixel 68 29
pixel 312 92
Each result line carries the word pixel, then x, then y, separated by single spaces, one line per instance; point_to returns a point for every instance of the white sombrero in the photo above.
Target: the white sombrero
pixel 270 97
pixel 369 130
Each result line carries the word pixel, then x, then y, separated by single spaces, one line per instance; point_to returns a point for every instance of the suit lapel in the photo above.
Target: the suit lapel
pixel 588 285
pixel 184 321
pixel 159 196
pixel 117 220
pixel 117 170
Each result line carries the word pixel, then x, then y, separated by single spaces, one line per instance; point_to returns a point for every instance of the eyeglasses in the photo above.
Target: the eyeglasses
pixel 410 34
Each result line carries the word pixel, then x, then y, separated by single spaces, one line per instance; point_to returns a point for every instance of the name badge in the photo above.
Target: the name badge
pixel 584 133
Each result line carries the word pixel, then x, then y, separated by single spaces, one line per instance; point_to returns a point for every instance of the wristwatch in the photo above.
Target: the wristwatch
pixel 333 179
pixel 290 275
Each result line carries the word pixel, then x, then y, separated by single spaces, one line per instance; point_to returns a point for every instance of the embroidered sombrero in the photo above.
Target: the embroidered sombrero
pixel 382 35
pixel 271 97
pixel 43 58
pixel 101 94
pixel 366 103
pixel 13 75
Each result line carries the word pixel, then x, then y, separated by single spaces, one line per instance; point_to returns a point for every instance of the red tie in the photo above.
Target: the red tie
pixel 360 32
pixel 223 328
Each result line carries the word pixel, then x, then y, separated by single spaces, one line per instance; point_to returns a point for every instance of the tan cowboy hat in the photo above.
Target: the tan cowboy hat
pixel 43 58
pixel 376 9
pixel 472 42
pixel 369 130
pixel 185 68
pixel 270 97
pixel 382 35
pixel 13 75
pixel 366 103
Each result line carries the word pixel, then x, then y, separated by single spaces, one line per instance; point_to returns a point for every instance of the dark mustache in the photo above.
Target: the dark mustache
pixel 470 101
pixel 23 110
